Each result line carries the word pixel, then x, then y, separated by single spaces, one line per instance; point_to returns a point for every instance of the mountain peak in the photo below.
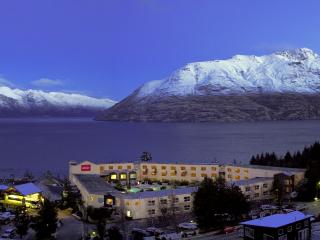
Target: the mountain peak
pixel 298 53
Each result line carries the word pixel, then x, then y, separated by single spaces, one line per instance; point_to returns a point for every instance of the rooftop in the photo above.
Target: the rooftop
pixel 277 220
pixel 284 169
pixel 27 189
pixel 94 184
pixel 160 193
pixel 252 181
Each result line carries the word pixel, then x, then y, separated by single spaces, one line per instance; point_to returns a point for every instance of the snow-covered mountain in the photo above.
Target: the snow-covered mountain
pixel 282 85
pixel 17 102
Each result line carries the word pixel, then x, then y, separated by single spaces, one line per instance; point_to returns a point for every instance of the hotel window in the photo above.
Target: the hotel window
pixel 164 174
pixel 306 223
pixel 256 187
pixel 246 178
pixel 163 167
pixel 247 189
pixel 173 173
pixel 237 177
pixel 144 167
pixel 247 196
pixel 193 168
pixel 187 207
pixel 113 176
pixel 298 226
pixel 265 193
pixel 229 169
pixel 110 167
pixel 151 211
pixel 265 185
pixel 137 203
pixel 154 167
pixel 119 167
pixel 129 167
pixel 246 170
pixel 187 199
pixel 151 203
pixel 280 231
pixel 203 168
pixel 289 229
pixel 176 200
pixel 128 203
pixel 203 175
pixel 213 168
pixel 237 170
pixel 214 175
pixel 256 195
pixel 229 176
pixel 123 176
pixel 173 168
pixel 183 168
pixel 193 174
pixel 101 168
pixel 163 201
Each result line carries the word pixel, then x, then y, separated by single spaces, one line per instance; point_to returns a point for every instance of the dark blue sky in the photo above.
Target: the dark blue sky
pixel 107 48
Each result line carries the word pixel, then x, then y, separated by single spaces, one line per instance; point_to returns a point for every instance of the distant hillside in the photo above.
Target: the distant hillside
pixel 21 103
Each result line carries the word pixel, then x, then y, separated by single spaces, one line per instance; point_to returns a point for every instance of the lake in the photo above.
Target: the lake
pixel 49 144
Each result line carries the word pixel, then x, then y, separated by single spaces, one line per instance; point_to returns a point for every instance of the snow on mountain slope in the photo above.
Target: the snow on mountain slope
pixel 280 86
pixel 296 71
pixel 55 98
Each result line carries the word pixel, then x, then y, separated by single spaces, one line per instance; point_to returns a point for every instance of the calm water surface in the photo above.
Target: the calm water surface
pixel 41 144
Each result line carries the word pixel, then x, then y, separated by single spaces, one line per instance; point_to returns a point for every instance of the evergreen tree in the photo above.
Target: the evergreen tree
pixel 146 157
pixel 114 233
pixel 216 204
pixel 46 222
pixel 21 221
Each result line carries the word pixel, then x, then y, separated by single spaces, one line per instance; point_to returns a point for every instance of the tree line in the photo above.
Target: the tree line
pixel 308 158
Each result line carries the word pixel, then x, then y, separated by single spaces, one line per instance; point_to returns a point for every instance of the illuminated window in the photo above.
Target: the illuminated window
pixel 193 168
pixel 229 169
pixel 203 168
pixel 109 201
pixel 119 167
pixel 113 176
pixel 173 168
pixel 133 175
pixel 101 168
pixel 110 167
pixel 128 214
pixel 163 167
pixel 164 174
pixel 213 175
pixel 237 177
pixel 246 170
pixel 123 176
pixel 193 174
pixel 129 167
pixel 237 170
pixel 154 167
pixel 173 173
pixel 183 168
pixel 229 176
pixel 213 168
pixel 203 175
pixel 128 203
pixel 137 203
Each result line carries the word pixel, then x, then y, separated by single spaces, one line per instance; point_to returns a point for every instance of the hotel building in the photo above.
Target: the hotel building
pixel 93 181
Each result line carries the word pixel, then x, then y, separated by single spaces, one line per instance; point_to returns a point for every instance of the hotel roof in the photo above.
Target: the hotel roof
pixel 3 187
pixel 160 193
pixel 252 181
pixel 277 220
pixel 94 184
pixel 283 169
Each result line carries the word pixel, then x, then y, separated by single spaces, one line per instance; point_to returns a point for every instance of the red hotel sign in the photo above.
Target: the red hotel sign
pixel 85 167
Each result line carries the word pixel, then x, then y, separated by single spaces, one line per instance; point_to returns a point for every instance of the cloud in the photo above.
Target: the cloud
pixel 47 83
pixel 5 82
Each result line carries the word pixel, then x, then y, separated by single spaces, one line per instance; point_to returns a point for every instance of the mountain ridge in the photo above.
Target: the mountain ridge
pixel 279 86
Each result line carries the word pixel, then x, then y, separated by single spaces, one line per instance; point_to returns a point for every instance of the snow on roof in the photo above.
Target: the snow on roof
pixel 27 189
pixel 277 220
pixel 3 187
pixel 246 182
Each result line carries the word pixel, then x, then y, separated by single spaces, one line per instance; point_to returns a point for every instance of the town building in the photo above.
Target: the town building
pixel 96 183
pixel 27 194
pixel 288 226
